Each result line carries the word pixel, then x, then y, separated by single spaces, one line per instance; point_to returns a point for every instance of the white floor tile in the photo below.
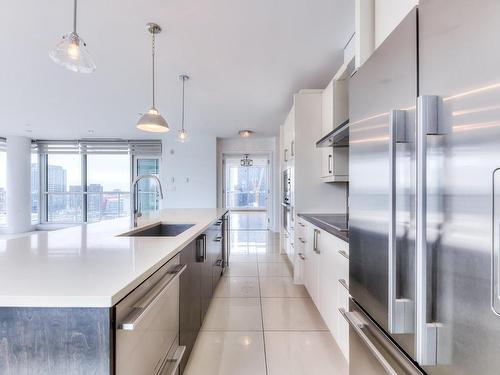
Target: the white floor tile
pixel 291 314
pixel 271 258
pixel 238 287
pixel 233 314
pixel 281 287
pixel 274 269
pixel 227 353
pixel 243 258
pixel 304 353
pixel 241 269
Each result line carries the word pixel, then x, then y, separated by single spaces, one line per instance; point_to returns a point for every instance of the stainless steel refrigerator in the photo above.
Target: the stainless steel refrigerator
pixel 425 195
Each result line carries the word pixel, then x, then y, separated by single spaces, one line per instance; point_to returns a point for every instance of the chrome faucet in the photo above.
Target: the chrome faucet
pixel 136 212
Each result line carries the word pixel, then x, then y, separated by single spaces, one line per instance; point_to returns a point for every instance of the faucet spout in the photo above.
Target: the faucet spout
pixel 136 213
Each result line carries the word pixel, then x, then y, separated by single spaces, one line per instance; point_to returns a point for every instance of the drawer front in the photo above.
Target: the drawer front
pixel 342 270
pixel 342 325
pixel 148 323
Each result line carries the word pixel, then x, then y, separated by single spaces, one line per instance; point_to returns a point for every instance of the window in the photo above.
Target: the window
pixel 89 181
pixel 147 192
pixel 3 184
pixel 64 193
pixel 108 186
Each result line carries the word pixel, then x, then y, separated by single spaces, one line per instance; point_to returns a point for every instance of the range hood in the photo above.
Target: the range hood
pixel 339 137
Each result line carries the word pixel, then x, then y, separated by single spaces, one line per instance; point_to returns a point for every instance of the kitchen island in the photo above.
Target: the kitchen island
pixel 58 289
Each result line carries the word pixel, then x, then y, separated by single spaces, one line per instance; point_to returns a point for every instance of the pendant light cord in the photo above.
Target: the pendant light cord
pixel 74 16
pixel 153 60
pixel 183 84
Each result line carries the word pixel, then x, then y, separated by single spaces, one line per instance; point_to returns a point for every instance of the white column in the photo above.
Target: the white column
pixel 18 184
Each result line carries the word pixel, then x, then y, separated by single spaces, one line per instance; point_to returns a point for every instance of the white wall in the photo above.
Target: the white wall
pixel 268 145
pixel 388 14
pixel 189 172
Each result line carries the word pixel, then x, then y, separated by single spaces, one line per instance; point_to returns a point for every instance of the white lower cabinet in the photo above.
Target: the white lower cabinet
pixel 326 278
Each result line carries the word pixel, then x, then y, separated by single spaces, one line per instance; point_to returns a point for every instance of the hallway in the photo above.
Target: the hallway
pixel 260 322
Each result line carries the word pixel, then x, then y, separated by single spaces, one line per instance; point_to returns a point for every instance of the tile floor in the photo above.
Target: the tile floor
pixel 259 322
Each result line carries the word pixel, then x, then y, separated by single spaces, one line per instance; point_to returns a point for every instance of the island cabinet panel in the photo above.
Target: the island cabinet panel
pixel 56 341
pixel 190 297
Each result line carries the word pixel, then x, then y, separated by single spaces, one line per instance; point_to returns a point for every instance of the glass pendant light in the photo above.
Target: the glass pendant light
pixel 71 51
pixel 183 135
pixel 152 121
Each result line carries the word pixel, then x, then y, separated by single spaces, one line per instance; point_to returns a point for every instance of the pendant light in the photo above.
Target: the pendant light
pixel 71 51
pixel 152 121
pixel 183 136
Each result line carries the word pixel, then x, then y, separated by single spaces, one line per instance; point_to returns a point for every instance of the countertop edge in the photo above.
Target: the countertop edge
pixel 339 234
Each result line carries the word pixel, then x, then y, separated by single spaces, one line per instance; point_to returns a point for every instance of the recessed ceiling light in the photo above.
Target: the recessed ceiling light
pixel 90 131
pixel 245 133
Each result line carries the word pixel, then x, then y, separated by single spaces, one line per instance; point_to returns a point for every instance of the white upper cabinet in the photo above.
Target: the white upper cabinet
pixel 335 111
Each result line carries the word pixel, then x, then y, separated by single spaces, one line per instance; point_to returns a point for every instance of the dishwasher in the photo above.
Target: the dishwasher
pixel 147 325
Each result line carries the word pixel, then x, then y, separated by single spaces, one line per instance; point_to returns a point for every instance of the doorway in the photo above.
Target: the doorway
pixel 246 190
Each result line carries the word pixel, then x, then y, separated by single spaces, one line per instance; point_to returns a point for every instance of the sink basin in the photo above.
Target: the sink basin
pixel 161 230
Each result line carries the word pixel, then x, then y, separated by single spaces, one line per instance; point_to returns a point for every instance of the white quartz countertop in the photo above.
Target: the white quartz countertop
pixel 89 265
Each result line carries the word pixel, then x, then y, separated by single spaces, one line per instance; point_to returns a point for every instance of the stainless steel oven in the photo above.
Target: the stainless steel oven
pixel 287 186
pixel 147 325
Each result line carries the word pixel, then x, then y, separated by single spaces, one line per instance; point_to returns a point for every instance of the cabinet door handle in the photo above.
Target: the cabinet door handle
pixel 218 239
pixel 344 254
pixel 330 164
pixel 285 152
pixel 302 240
pixel 344 284
pixel 301 256
pixel 315 242
pixel 292 147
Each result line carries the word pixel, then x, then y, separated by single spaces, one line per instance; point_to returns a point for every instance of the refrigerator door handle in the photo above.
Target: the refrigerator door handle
pixel 357 324
pixel 495 251
pixel 400 310
pixel 426 335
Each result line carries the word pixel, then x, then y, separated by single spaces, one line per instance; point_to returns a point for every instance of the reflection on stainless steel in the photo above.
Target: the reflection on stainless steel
pixel 478 90
pixel 476 126
pixel 475 110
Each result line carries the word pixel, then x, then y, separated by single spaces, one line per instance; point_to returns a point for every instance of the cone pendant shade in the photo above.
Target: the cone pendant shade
pixel 152 121
pixel 72 54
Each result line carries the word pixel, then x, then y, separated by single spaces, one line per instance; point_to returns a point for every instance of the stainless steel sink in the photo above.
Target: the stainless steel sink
pixel 160 230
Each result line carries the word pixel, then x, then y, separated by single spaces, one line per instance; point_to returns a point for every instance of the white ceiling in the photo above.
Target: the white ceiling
pixel 245 57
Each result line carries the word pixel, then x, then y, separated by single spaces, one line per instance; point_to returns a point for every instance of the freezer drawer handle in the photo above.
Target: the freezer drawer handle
pixel 146 303
pixel 358 324
pixel 173 363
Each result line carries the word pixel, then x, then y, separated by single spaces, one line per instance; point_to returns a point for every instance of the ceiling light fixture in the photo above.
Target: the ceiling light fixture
pixel 245 133
pixel 71 51
pixel 183 136
pixel 152 121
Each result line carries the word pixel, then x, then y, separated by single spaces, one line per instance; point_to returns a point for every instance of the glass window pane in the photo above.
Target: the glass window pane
pixel 65 208
pixel 3 189
pixel 108 186
pixel 35 183
pixel 64 175
pixel 147 191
